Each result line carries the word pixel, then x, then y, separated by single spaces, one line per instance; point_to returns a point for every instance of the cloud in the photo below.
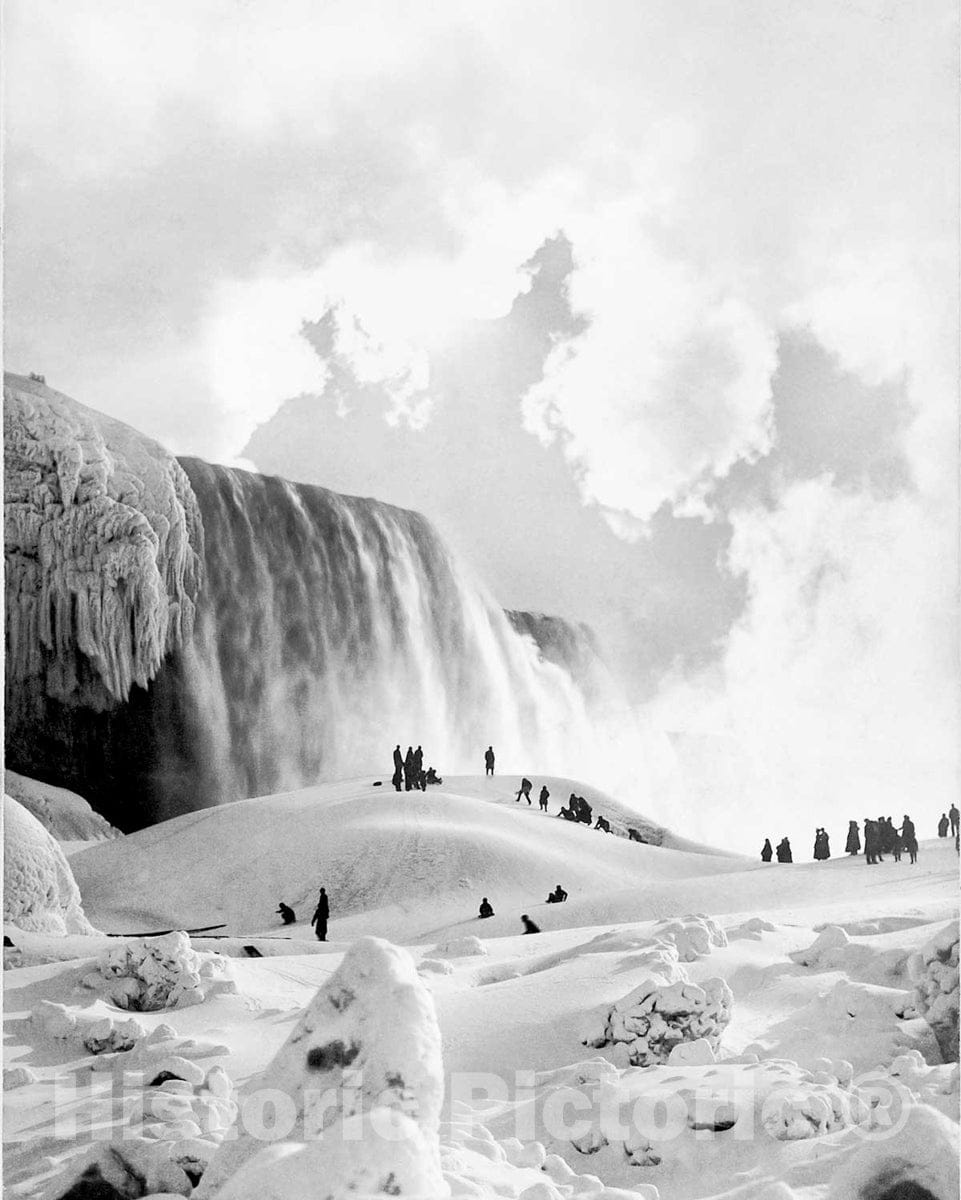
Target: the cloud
pixel 839 680
pixel 188 184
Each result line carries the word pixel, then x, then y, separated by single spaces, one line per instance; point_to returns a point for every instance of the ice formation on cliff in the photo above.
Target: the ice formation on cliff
pixel 39 891
pixel 103 551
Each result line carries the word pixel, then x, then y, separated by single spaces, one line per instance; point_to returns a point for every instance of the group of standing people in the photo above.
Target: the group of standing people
pixel 409 771
pixel 881 837
pixel 783 851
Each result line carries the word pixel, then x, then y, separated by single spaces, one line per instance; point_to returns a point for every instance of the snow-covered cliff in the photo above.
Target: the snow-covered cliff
pixel 103 552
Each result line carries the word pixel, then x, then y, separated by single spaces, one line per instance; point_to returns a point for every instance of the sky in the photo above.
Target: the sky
pixel 651 305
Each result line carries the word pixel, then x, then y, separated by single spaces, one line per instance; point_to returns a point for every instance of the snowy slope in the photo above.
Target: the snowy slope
pixel 62 813
pixel 817 1015
pixel 396 865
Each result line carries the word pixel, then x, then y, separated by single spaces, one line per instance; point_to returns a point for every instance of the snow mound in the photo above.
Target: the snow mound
pixel 462 947
pixel 921 1161
pixel 17 1077
pixel 646 1024
pixel 103 552
pixel 64 814
pixel 751 929
pixel 363 1072
pixel 172 1130
pixel 147 974
pixel 381 1152
pixel 934 972
pixel 97 1035
pixel 693 936
pixel 40 894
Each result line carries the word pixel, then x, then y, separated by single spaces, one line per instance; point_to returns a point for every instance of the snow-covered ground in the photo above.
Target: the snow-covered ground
pixel 778 1007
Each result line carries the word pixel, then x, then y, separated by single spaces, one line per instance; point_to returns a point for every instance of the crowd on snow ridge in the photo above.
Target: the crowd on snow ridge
pixel 881 837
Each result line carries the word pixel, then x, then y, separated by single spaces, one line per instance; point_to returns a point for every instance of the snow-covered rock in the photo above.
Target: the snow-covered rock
pixel 462 947
pixel 823 950
pixel 15 1077
pixel 64 814
pixel 40 894
pixel 934 972
pixel 147 974
pixel 381 1152
pixel 655 1017
pixel 693 936
pixel 364 1060
pixel 103 551
pixel 96 1034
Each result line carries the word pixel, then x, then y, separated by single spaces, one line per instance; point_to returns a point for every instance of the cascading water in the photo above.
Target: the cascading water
pixel 307 634
pixel 333 627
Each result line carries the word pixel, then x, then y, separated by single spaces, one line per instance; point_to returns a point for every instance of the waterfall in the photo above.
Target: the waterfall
pixel 251 635
pixel 333 627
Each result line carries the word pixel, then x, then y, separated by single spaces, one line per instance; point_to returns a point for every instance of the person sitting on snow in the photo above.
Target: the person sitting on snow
pixel 486 909
pixel 286 913
pixel 557 896
pixel 529 926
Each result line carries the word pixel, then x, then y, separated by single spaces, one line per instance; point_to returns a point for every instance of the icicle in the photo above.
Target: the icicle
pixel 104 549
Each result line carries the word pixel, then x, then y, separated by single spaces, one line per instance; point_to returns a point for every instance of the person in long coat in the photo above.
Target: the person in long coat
pixel 321 916
pixel 853 844
pixel 766 852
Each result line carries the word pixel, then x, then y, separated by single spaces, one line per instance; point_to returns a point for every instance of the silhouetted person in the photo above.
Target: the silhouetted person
pixel 432 776
pixel 485 909
pixel 543 798
pixel 886 834
pixel 525 791
pixel 910 838
pixel 529 926
pixel 943 825
pixel 419 770
pixel 398 775
pixel 784 851
pixel 822 846
pixel 489 761
pixel 557 896
pixel 871 843
pixel 286 913
pixel 321 915
pixel 409 769
pixel 853 844
pixel 897 846
pixel 766 852
pixel 954 816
